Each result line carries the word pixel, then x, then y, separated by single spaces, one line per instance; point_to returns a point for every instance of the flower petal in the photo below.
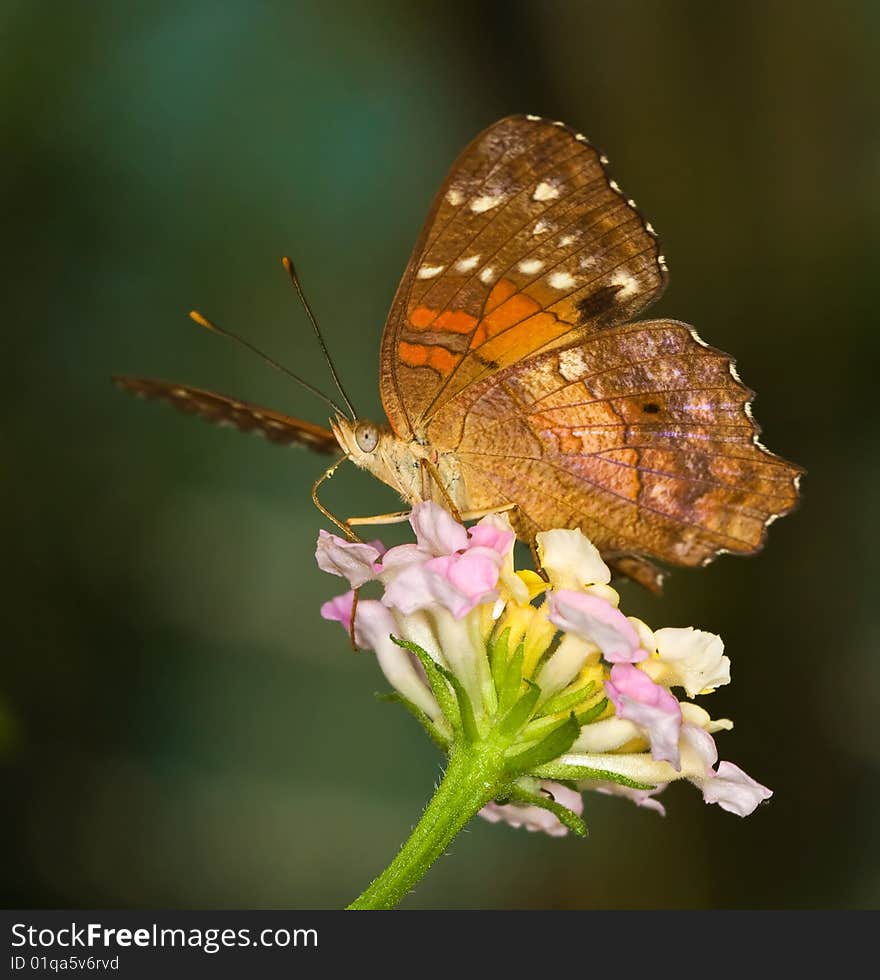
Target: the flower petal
pixel 565 663
pixel 437 531
pixel 492 534
pixel 641 797
pixel 597 620
pixel 339 609
pixel 606 735
pixel 571 560
pixel 473 574
pixel 458 583
pixel 351 560
pixel 374 625
pixel 734 790
pixel 638 699
pixel 689 658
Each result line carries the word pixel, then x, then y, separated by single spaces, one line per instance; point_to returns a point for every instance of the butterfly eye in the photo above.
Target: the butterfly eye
pixel 367 436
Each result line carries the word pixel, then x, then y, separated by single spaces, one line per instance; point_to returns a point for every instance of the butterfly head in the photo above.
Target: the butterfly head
pixel 377 449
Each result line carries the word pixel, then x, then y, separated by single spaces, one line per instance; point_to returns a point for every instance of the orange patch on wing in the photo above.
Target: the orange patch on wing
pixel 513 311
pixel 531 334
pixel 422 317
pixel 455 321
pixel 425 355
pixel 501 291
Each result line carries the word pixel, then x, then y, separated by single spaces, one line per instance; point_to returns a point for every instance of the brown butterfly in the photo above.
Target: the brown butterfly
pixel 513 378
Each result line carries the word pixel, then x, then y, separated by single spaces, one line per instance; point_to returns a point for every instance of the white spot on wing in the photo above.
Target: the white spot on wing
pixel 485 202
pixel 465 265
pixel 429 271
pixel 614 186
pixel 455 197
pixel 571 364
pixel 560 280
pixel 566 240
pixel 533 118
pixel 545 192
pixel 530 266
pixel 540 227
pixel 629 284
pixel 487 275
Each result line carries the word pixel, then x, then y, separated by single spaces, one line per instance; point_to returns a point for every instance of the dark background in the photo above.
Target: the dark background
pixel 177 725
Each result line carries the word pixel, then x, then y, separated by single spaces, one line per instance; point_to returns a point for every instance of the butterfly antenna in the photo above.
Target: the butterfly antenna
pixel 203 321
pixel 294 278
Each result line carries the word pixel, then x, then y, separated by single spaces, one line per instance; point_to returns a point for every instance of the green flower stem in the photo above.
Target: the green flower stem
pixel 473 777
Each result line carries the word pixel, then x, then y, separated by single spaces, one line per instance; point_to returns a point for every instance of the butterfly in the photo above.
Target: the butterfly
pixel 514 376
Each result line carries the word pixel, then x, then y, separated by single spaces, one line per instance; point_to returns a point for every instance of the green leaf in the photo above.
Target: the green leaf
pixel 520 713
pixel 561 770
pixel 562 702
pixel 589 715
pixel 434 733
pixel 436 680
pixel 568 818
pixel 499 654
pixel 465 708
pixel 551 747
pixel 509 691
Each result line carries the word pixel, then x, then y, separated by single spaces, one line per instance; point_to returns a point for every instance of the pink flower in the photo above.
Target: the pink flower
pixel 457 582
pixel 489 535
pixel 733 790
pixel 534 817
pixel 351 560
pixel 447 566
pixel 641 797
pixel 638 699
pixel 595 619
pixel 437 531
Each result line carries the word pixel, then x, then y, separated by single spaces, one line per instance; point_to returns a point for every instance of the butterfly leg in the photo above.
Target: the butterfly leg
pixel 429 476
pixel 398 517
pixel 343 526
pixel 354 608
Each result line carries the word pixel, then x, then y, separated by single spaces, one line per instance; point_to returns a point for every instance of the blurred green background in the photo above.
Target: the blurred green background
pixel 178 727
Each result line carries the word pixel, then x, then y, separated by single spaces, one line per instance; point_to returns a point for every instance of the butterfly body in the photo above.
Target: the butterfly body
pixel 514 376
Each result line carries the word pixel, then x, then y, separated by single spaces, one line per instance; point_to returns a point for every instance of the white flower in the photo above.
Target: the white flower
pixel 571 560
pixel 691 659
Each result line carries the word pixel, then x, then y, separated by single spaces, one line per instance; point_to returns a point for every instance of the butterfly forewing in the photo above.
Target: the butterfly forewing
pixel 529 243
pixel 278 428
pixel 641 435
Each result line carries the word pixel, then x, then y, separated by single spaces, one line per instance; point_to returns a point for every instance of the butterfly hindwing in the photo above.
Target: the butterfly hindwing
pixel 276 427
pixel 641 435
pixel 528 244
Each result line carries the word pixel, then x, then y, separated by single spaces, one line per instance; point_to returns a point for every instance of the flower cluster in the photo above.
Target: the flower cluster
pixel 577 695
